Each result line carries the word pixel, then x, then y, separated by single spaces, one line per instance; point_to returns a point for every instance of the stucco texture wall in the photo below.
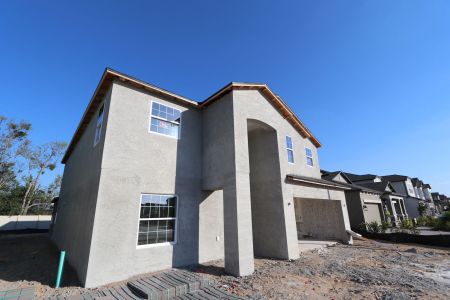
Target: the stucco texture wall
pixel 137 161
pixel 76 211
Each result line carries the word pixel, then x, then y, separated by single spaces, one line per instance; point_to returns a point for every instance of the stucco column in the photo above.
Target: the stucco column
pixel 238 239
pixel 402 206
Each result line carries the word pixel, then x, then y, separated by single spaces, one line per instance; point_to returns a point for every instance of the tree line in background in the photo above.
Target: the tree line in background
pixel 22 165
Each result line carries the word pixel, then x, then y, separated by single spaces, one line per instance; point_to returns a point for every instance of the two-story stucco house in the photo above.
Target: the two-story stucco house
pixel 155 180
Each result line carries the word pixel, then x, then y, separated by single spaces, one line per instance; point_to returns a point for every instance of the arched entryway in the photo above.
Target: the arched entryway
pixel 268 220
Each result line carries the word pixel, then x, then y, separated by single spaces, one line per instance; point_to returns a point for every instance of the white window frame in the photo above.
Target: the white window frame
pixel 307 156
pixel 159 118
pixel 99 125
pixel 290 149
pixel 175 237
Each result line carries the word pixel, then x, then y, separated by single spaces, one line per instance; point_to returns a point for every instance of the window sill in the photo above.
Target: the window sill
pixel 155 245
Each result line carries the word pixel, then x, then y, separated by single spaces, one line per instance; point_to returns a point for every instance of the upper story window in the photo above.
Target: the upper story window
pixel 309 157
pixel 165 120
pixel 157 219
pixel 290 149
pixel 98 126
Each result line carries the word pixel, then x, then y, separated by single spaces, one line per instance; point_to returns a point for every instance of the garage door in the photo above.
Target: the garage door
pixel 319 219
pixel 372 212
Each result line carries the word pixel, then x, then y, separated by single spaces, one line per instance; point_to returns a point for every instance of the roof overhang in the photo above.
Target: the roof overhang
pixel 110 75
pixel 274 99
pixel 103 86
pixel 315 181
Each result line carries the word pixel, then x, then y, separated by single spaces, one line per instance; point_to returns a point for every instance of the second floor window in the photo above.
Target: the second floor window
pixel 309 157
pixel 290 149
pixel 165 120
pixel 98 126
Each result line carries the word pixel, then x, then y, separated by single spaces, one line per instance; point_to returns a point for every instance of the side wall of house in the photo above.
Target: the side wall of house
pixel 137 161
pixel 355 209
pixel 72 231
pixel 217 169
pixel 411 205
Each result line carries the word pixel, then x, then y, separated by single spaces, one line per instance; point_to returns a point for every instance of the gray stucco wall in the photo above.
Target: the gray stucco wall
pixel 137 161
pixel 411 205
pixel 355 209
pixel 268 220
pixel 211 227
pixel 72 231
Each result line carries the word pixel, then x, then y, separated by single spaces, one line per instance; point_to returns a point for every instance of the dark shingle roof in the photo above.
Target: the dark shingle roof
pixel 426 186
pixel 355 177
pixel 354 187
pixel 394 178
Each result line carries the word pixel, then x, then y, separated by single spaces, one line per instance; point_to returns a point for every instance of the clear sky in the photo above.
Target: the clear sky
pixel 371 79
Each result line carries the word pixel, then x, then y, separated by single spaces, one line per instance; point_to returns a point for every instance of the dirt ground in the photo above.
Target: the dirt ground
pixel 365 270
pixel 30 260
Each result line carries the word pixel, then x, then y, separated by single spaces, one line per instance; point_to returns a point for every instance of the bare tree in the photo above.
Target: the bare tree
pixel 12 135
pixel 39 159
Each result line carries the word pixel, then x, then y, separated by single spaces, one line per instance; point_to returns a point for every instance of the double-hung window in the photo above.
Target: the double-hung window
pixel 98 127
pixel 165 120
pixel 309 157
pixel 290 149
pixel 157 219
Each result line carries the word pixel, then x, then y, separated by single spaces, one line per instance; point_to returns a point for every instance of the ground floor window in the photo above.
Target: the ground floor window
pixel 157 219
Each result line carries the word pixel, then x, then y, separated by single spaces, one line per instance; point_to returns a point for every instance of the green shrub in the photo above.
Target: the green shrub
pixel 384 226
pixel 427 221
pixel 443 223
pixel 421 208
pixel 374 227
pixel 363 227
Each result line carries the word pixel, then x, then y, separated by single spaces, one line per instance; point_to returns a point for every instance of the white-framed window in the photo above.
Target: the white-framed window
pixel 157 219
pixel 165 120
pixel 290 150
pixel 98 126
pixel 309 157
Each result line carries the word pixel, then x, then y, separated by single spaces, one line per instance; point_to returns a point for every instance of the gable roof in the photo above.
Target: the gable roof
pixel 109 75
pixel 355 187
pixel 426 186
pixel 331 175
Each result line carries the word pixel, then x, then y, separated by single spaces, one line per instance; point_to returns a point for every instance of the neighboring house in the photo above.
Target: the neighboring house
pixel 393 201
pixel 433 210
pixel 417 184
pixel 440 201
pixel 403 185
pixel 427 191
pixel 153 180
pixel 364 205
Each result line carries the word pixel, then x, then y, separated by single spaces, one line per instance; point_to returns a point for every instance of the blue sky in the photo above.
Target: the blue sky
pixel 371 79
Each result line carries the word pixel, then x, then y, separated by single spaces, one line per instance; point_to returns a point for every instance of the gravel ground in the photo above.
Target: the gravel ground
pixel 367 270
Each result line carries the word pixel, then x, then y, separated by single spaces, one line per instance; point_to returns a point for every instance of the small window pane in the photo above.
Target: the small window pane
pixel 155 105
pixel 308 152
pixel 309 161
pixel 288 142
pixel 142 239
pixel 290 156
pixel 157 219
